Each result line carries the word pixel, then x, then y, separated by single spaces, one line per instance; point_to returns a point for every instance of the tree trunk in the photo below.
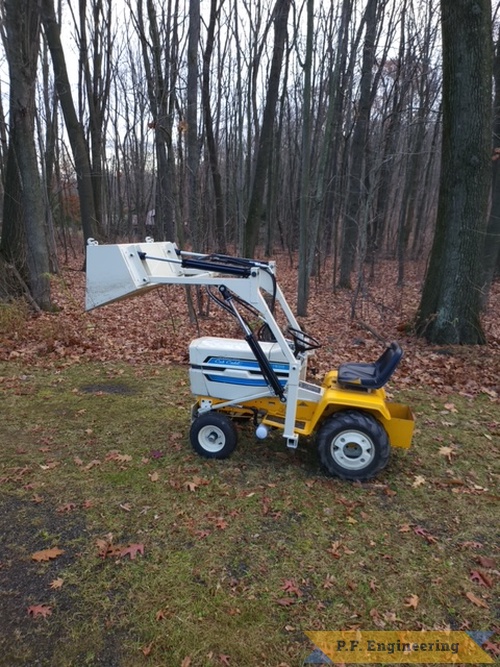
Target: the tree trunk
pixel 356 190
pixel 450 303
pixel 220 216
pixel 491 253
pixel 192 144
pixel 305 186
pixel 96 66
pixel 158 78
pixel 75 130
pixel 24 242
pixel 265 146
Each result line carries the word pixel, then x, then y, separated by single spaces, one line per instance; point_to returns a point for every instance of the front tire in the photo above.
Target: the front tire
pixel 213 435
pixel 353 445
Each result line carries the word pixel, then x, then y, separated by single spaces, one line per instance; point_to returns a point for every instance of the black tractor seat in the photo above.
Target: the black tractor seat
pixel 370 376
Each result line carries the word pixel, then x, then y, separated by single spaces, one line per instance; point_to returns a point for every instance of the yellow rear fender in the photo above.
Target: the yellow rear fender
pixel 397 419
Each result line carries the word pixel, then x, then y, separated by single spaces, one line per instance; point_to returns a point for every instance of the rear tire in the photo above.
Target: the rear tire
pixel 213 435
pixel 353 445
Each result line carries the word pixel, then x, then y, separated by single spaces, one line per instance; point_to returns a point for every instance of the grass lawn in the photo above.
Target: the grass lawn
pixel 120 547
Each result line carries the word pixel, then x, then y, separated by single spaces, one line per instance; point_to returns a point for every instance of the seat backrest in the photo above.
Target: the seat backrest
pixel 386 364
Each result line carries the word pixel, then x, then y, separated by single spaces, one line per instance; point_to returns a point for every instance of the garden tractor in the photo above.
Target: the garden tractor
pixel 261 376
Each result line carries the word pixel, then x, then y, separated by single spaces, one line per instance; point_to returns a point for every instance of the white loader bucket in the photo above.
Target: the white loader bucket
pixel 123 270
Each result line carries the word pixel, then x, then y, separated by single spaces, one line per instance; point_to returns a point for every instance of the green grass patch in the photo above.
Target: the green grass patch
pixel 240 557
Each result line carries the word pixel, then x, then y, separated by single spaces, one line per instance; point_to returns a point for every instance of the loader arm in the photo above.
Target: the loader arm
pixel 120 271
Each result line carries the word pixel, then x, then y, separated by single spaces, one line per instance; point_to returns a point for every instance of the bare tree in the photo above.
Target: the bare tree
pixel 451 299
pixel 74 128
pixel 220 217
pixel 356 193
pixel 159 55
pixel 264 150
pixel 491 253
pixel 96 42
pixel 24 243
pixel 192 142
pixel 305 237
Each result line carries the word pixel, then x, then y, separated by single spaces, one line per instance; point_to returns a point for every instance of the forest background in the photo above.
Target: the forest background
pixel 356 142
pixel 348 132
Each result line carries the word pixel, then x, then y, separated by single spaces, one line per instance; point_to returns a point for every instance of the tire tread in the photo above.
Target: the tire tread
pixel 353 419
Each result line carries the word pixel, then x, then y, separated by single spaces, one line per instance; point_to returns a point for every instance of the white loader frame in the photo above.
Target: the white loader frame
pixel 118 271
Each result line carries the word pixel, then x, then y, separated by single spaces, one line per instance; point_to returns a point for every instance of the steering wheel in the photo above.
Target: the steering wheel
pixel 303 341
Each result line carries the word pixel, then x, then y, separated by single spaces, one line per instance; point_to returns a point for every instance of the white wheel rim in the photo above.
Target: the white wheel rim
pixel 352 450
pixel 211 438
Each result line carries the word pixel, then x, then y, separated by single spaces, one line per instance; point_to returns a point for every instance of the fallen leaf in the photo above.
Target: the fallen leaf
pixel 447 452
pixel 68 507
pixel 106 548
pixel 450 407
pixel 289 586
pixel 412 601
pixel 492 648
pixel 147 649
pixel 390 616
pixel 92 464
pixel 471 545
pixel 154 476
pixel 481 578
pixel 200 534
pixel 156 454
pixel 224 659
pixel 376 618
pixel 132 550
pixel 423 532
pixel 55 584
pixel 46 554
pixel 418 481
pixel 286 602
pixel 405 528
pixel 485 562
pixel 39 610
pixel 50 465
pixel 186 662
pixel 193 484
pixel 334 549
pixel 476 600
pixel 115 455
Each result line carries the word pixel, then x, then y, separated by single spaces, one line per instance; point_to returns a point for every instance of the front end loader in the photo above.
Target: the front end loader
pixel 261 376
